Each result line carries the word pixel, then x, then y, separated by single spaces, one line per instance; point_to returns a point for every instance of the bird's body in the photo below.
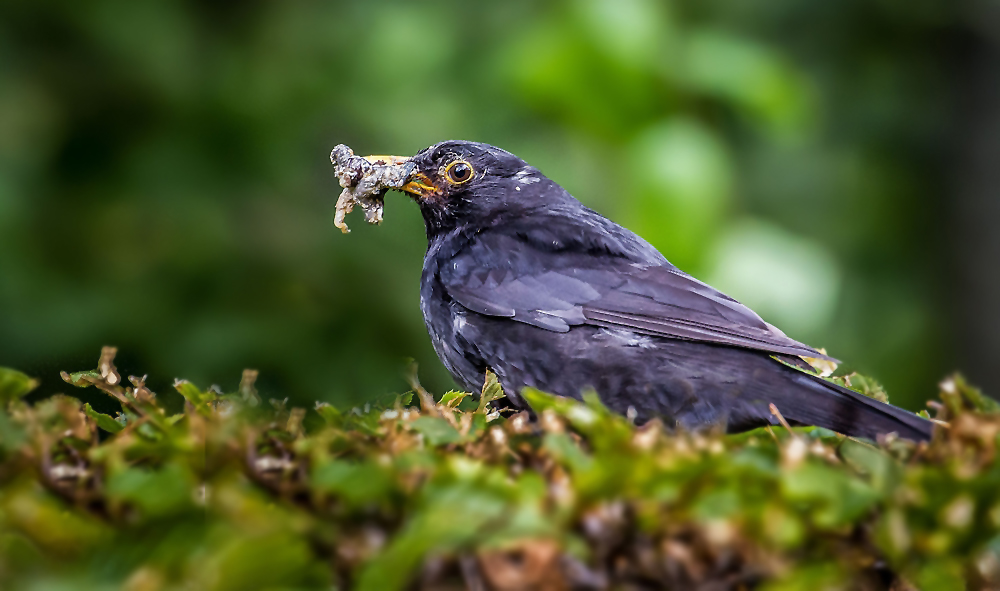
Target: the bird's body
pixel 521 279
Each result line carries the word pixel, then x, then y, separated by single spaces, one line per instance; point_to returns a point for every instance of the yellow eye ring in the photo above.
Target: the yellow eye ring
pixel 459 172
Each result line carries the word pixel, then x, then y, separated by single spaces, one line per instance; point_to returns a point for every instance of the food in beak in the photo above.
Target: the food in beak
pixel 365 180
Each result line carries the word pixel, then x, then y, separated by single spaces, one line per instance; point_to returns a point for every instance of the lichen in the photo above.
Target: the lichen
pixel 365 182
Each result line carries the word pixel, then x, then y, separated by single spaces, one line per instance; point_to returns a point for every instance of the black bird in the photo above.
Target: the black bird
pixel 520 278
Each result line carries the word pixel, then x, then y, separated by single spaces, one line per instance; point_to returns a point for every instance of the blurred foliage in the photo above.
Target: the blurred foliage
pixel 234 492
pixel 164 181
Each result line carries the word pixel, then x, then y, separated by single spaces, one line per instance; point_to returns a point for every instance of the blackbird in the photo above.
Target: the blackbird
pixel 521 279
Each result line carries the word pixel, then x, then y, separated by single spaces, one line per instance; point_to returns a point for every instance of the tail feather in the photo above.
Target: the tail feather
pixel 840 409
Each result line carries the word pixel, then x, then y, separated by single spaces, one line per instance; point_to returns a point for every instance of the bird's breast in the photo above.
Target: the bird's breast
pixel 447 328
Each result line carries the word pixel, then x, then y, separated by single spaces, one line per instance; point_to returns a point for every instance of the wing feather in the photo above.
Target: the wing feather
pixel 557 288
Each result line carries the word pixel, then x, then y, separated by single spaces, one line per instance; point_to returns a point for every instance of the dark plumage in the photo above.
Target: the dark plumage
pixel 521 278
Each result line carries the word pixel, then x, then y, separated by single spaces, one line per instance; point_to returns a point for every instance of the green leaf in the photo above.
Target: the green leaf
pixel 718 503
pixel 437 431
pixel 199 399
pixel 359 483
pixel 882 470
pixel 46 521
pixel 809 577
pixel 449 519
pixel 539 400
pixel 14 384
pixel 940 575
pixel 12 435
pixel 330 414
pixel 154 492
pixel 192 393
pixel 103 421
pixel 453 398
pixel 280 560
pixel 478 426
pixel 149 432
pixel 974 396
pixel 491 391
pixel 869 387
pixel 833 497
pixel 79 378
pixel 566 450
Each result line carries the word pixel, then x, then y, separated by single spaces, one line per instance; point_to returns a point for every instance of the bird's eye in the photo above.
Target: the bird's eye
pixel 458 172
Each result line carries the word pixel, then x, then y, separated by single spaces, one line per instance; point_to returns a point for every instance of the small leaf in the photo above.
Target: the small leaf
pixel 359 483
pixel 491 391
pixel 437 431
pixel 12 435
pixel 330 414
pixel 149 432
pixel 14 384
pixel 869 387
pixel 940 575
pixel 192 393
pixel 154 492
pixel 81 379
pixel 563 448
pixel 103 421
pixel 453 398
pixel 834 497
pixel 199 400
pixel 974 396
pixel 883 471
pixel 478 426
pixel 538 400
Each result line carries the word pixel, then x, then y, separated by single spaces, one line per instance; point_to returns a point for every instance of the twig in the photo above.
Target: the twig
pixel 427 404
pixel 781 419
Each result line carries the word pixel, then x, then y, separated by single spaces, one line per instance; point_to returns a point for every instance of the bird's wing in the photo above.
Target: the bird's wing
pixel 554 285
pixel 663 301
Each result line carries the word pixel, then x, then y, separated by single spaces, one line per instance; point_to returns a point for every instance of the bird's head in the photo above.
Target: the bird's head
pixel 458 183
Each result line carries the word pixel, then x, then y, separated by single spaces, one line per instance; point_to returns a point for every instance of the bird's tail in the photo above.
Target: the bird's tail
pixel 825 404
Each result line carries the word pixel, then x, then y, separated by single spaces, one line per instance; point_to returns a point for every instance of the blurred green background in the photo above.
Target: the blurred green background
pixel 165 183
